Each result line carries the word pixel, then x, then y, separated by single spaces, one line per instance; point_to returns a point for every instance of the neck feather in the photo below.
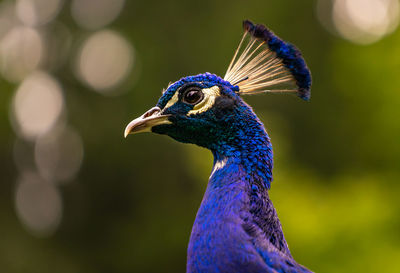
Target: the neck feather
pixel 250 163
pixel 249 147
pixel 232 175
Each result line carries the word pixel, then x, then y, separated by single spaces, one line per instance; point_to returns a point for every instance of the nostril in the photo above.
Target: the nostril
pixel 152 111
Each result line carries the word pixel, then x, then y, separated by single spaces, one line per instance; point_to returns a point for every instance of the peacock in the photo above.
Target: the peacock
pixel 236 227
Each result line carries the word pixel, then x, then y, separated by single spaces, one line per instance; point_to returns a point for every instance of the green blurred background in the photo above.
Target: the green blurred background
pixel 75 196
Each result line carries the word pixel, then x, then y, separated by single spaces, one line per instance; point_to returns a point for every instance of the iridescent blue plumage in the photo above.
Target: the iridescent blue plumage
pixel 236 228
pixel 206 80
pixel 290 55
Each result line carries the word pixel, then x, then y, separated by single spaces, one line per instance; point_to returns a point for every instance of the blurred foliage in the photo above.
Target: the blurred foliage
pixel 132 205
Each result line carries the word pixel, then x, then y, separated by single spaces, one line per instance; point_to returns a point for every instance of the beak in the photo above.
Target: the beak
pixel 145 122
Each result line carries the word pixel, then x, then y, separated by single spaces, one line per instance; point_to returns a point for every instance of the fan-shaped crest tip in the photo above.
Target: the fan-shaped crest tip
pixel 265 63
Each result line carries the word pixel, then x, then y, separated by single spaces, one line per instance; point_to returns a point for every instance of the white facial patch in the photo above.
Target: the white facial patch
pixel 210 94
pixel 172 101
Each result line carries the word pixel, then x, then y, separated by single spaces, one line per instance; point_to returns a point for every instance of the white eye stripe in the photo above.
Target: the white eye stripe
pixel 210 94
pixel 172 101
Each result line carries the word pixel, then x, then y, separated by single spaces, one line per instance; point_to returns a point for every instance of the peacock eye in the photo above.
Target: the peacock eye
pixel 193 95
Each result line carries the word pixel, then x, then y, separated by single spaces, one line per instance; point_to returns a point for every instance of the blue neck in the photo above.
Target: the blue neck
pixel 236 209
pixel 248 146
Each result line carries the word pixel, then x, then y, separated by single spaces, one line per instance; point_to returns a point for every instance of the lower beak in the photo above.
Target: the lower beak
pixel 145 122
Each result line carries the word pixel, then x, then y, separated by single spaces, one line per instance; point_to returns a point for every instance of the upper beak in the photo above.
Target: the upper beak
pixel 145 122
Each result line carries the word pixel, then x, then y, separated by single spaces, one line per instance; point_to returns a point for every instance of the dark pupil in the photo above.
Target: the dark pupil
pixel 192 96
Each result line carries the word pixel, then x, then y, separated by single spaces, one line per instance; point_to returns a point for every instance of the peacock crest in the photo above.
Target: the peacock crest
pixel 263 63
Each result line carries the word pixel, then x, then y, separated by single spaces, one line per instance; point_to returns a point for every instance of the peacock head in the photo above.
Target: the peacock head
pixel 208 110
pixel 201 109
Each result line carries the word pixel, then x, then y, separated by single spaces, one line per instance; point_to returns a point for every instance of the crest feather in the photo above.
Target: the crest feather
pixel 265 63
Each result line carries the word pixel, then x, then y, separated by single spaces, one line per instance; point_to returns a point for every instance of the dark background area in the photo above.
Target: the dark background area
pixel 127 205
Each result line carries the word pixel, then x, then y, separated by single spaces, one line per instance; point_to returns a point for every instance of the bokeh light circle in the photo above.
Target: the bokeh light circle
pixel 37 105
pixel 21 51
pixel 365 21
pixel 37 12
pixel 104 60
pixel 59 154
pixel 38 204
pixel 94 14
